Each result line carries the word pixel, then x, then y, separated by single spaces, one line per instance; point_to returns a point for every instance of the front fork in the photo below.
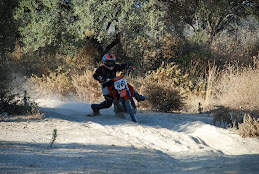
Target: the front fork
pixel 131 99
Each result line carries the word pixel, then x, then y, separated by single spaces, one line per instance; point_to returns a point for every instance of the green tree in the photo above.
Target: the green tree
pixel 55 25
pixel 217 15
pixel 211 16
pixel 224 27
pixel 8 32
pixel 8 28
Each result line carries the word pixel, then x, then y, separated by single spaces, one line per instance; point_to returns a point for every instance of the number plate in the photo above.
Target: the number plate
pixel 120 84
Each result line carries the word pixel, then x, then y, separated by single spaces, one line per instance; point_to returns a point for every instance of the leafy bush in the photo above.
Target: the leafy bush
pixel 166 49
pixel 173 74
pixel 164 88
pixel 13 104
pixel 10 102
pixel 222 116
pixel 249 127
pixel 162 97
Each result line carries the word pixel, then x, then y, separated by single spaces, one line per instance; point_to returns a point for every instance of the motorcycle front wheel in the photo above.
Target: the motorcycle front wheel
pixel 130 110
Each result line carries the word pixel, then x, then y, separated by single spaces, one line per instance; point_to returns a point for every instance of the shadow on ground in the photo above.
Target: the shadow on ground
pixel 78 158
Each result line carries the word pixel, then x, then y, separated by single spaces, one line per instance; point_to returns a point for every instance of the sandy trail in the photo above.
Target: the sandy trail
pixel 159 143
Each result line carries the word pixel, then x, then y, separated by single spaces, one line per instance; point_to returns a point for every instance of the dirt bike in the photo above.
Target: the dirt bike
pixel 123 93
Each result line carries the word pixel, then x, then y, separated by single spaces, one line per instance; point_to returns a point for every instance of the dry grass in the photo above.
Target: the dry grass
pixel 35 115
pixel 21 118
pixel 249 127
pixel 202 95
pixel 238 88
pixel 235 87
pixel 56 82
pixel 87 88
pixel 169 89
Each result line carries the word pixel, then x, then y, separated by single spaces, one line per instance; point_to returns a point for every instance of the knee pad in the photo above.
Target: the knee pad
pixel 108 100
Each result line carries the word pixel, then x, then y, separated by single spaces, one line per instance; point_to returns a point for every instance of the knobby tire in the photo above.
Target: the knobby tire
pixel 130 110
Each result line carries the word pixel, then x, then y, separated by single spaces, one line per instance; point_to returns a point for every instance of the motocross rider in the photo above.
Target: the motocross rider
pixel 108 71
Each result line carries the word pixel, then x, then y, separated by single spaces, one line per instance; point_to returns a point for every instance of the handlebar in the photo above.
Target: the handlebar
pixel 122 74
pixel 128 70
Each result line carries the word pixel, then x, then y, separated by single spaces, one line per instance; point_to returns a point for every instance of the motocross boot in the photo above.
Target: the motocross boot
pixel 138 96
pixel 95 108
pixel 105 104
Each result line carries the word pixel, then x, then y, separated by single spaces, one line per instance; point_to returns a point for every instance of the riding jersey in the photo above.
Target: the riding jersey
pixel 106 73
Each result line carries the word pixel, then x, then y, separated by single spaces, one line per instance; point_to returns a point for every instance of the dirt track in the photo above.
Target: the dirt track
pixel 159 143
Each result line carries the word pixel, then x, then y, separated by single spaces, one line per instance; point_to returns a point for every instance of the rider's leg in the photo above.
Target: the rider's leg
pixel 138 96
pixel 105 104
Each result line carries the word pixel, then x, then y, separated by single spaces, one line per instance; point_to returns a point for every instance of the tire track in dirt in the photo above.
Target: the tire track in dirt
pixel 161 139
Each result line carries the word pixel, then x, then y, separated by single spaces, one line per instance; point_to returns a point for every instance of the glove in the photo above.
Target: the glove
pixel 102 79
pixel 130 67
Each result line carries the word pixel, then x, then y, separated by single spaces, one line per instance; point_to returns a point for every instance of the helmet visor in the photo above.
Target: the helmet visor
pixel 110 63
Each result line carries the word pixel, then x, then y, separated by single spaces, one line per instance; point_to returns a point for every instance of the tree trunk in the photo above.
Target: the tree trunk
pixel 100 50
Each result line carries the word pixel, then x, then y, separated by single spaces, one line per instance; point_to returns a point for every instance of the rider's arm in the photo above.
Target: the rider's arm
pixel 122 66
pixel 97 74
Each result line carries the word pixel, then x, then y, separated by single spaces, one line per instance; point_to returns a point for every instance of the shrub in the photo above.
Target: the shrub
pixel 163 97
pixel 232 118
pixel 171 72
pixel 228 117
pixel 164 88
pixel 86 87
pixel 13 104
pixel 56 82
pixel 12 101
pixel 249 127
pixel 222 116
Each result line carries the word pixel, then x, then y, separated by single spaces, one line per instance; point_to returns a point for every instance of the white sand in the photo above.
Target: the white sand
pixel 159 143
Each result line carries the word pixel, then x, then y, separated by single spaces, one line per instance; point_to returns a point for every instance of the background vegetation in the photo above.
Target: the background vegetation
pixel 192 56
